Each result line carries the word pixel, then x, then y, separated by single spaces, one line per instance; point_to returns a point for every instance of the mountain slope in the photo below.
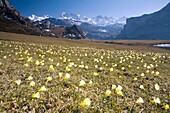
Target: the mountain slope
pixel 148 26
pixel 12 21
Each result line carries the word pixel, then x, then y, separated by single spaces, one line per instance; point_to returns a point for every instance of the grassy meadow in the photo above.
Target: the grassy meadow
pixel 39 74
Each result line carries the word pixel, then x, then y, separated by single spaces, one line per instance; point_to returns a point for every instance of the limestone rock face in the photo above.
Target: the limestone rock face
pixel 148 26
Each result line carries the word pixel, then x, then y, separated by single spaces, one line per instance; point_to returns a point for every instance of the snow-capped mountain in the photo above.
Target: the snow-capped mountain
pixel 99 27
pixel 38 18
pixel 99 20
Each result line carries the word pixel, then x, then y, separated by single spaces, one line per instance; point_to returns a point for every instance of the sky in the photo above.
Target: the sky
pixel 89 8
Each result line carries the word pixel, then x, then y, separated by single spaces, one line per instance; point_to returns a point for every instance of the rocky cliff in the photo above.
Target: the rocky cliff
pixel 148 26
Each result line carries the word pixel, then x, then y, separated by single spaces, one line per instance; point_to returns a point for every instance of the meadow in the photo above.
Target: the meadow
pixel 59 75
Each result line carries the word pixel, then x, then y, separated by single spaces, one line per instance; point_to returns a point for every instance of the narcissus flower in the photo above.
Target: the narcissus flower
pixel 36 95
pixel 32 83
pixel 157 87
pixel 82 83
pixel 166 106
pixel 43 88
pixel 107 93
pixel 157 73
pixel 139 101
pixel 18 82
pixel 86 102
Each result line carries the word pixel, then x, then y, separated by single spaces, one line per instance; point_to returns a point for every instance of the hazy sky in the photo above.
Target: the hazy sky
pixel 90 8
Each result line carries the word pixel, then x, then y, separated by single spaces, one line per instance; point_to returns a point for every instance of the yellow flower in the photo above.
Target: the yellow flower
pixel 95 74
pixel 114 86
pixel 157 87
pixel 29 78
pixel 51 67
pixel 135 78
pixel 123 68
pixel 43 88
pixel 67 76
pixel 147 71
pixel 36 95
pixel 142 74
pixel 86 102
pixel 29 59
pixel 107 93
pixel 26 65
pixel 156 100
pixel 141 87
pixel 49 78
pixel 137 68
pixel 139 100
pixel 119 90
pixel 18 82
pixel 90 82
pixel 5 57
pixel 111 69
pixel 82 83
pixel 60 74
pixel 157 73
pixel 32 83
pixel 37 62
pixel 166 106
pixel 152 72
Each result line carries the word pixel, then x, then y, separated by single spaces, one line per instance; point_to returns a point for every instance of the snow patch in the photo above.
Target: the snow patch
pixel 162 45
pixel 38 18
pixel 102 30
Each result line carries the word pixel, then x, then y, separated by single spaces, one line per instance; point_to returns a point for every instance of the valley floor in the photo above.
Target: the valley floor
pixel 49 75
pixel 138 45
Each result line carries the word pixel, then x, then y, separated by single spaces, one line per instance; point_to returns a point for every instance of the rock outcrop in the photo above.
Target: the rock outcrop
pixel 148 26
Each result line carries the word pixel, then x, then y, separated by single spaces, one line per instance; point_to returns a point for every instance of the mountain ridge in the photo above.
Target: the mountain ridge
pixel 148 26
pixel 12 21
pixel 98 20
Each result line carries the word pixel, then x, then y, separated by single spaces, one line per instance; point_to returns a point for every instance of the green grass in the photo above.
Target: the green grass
pixel 19 60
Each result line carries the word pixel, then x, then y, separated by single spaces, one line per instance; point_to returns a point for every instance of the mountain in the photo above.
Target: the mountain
pixel 100 27
pixel 38 18
pixel 12 21
pixel 148 26
pixel 74 32
pixel 98 20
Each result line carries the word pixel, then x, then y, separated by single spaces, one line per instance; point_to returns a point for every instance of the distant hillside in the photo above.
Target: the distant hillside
pixel 148 26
